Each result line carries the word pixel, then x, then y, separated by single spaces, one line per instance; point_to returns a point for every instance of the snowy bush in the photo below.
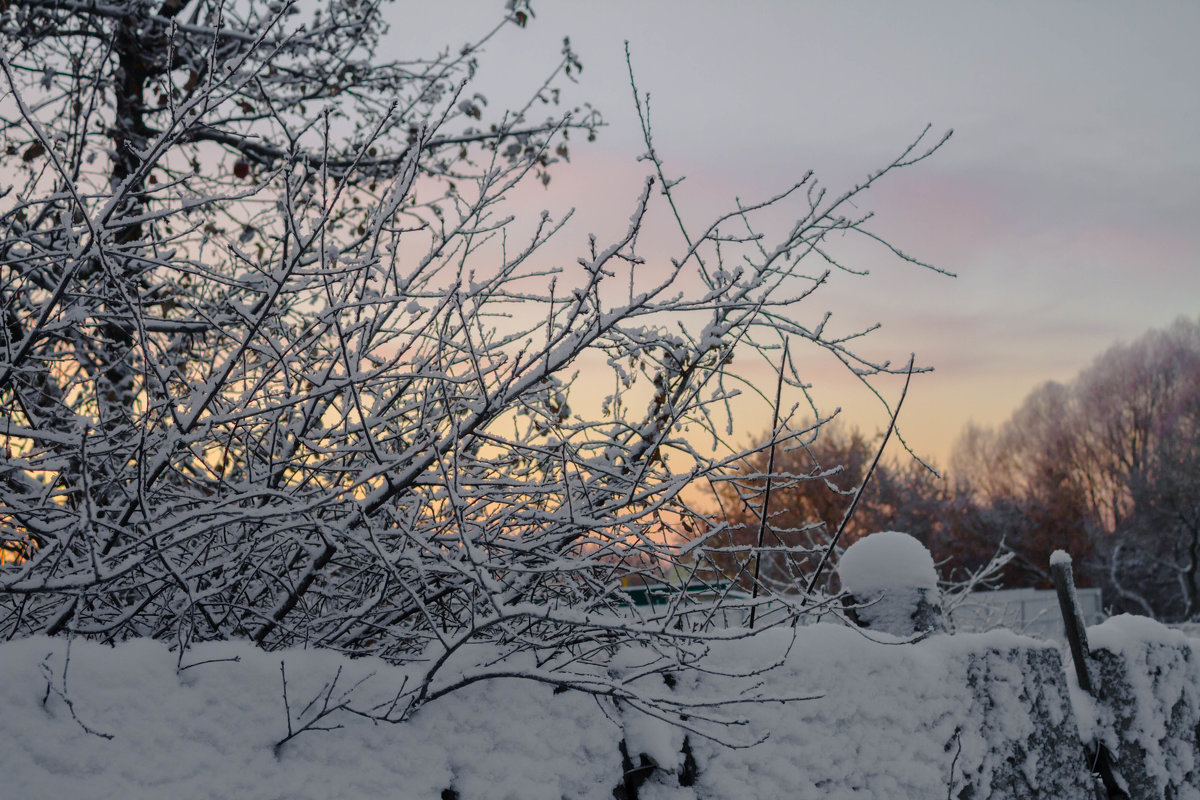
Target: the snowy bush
pixel 211 729
pixel 967 716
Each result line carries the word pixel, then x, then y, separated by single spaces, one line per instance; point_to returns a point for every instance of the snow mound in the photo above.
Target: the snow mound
pixel 1128 634
pixel 886 560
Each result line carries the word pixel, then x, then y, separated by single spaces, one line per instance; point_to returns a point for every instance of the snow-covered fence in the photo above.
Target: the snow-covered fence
pixel 1033 612
pixel 1148 711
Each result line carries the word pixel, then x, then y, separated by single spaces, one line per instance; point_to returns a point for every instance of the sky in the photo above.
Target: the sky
pixel 1066 203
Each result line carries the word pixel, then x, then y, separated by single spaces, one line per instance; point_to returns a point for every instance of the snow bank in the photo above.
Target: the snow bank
pixel 1148 681
pixel 209 731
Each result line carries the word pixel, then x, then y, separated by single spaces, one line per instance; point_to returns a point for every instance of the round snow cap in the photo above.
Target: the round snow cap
pixel 886 560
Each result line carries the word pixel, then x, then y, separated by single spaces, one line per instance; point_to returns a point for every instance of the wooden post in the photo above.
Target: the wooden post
pixel 1068 604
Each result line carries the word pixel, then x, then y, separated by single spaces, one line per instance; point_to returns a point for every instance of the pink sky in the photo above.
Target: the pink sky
pixel 1066 203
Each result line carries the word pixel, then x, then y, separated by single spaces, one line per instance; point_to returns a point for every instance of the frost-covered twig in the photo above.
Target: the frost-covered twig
pixel 765 511
pixel 278 363
pixel 311 717
pixel 60 691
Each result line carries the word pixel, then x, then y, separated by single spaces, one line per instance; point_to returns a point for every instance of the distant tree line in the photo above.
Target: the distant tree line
pixel 1106 466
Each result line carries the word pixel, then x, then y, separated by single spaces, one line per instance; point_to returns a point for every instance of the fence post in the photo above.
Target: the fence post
pixel 1068 604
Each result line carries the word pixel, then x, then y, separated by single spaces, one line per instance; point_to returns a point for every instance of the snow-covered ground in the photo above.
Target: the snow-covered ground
pixel 209 731
pixel 883 719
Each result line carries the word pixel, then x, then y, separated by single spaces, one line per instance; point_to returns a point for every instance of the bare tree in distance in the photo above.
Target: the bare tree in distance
pixel 274 366
pixel 1104 466
pixel 817 472
pixel 1018 486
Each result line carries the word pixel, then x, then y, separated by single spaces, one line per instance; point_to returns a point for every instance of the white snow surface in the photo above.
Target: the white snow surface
pixel 209 731
pixel 886 560
pixel 1129 633
pixel 884 720
pixel 881 723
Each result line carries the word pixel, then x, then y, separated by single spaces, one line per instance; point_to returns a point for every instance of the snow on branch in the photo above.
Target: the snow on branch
pixel 271 369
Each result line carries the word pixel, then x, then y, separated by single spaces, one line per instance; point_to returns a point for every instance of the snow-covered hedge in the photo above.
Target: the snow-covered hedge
pixel 1148 681
pixel 983 715
pixel 973 715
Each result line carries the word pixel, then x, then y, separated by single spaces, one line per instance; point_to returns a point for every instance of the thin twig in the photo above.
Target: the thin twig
pixel 762 519
pixel 63 694
pixel 861 487
pixel 954 762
